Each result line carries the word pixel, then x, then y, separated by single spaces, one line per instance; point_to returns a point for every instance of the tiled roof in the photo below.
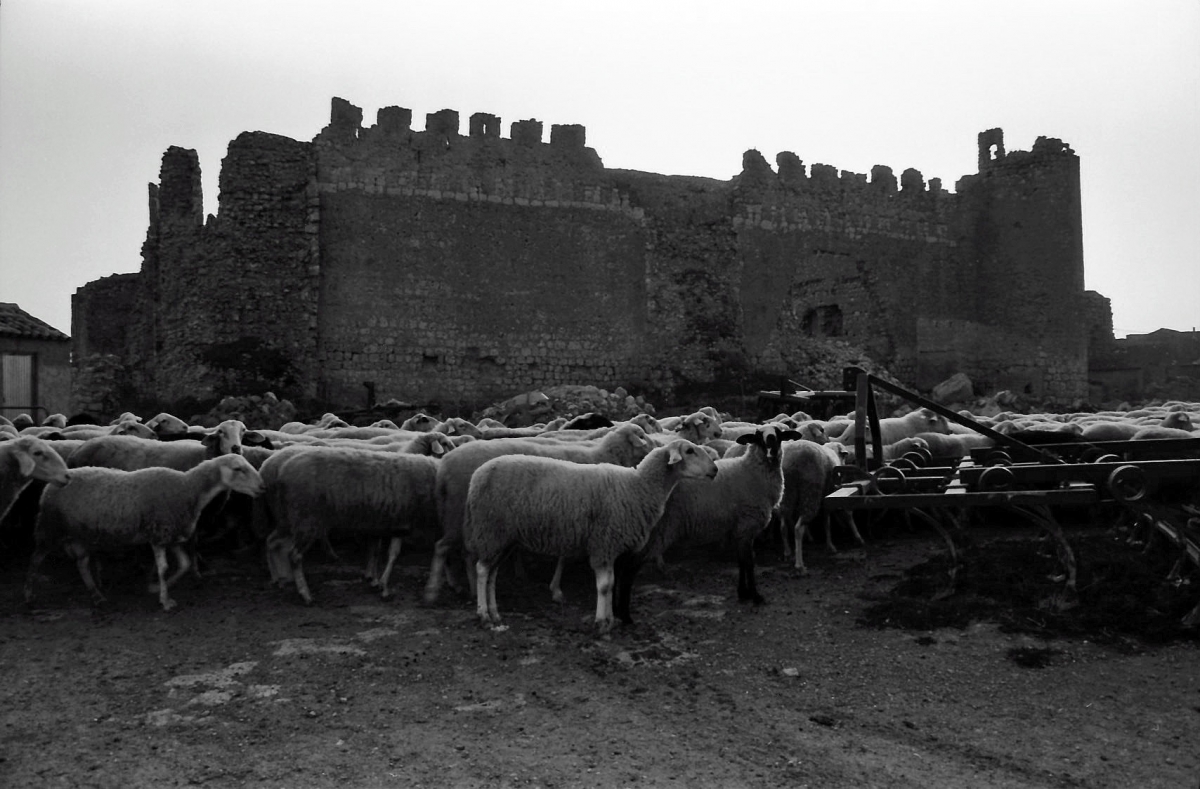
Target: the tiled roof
pixel 16 322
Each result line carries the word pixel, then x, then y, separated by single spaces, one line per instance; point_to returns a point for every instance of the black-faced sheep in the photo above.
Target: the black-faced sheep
pixel 561 508
pixel 155 506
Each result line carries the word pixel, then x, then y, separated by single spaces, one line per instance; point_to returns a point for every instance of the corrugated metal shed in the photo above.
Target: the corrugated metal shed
pixel 16 322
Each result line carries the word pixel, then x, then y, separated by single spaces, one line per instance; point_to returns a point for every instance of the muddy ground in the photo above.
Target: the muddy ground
pixel 242 685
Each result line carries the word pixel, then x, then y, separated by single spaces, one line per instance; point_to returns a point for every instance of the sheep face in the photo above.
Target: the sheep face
pixel 689 460
pixel 700 426
pixel 647 422
pixel 457 426
pixel 35 459
pixel 439 444
pixel 770 438
pixel 165 424
pixel 1177 419
pixel 130 427
pixel 637 443
pixel 239 476
pixel 420 423
pixel 931 421
pixel 226 438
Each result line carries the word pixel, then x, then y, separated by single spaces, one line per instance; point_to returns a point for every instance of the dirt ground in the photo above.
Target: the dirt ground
pixel 242 685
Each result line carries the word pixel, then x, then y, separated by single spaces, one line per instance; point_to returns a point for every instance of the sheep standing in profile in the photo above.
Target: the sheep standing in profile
pixel 892 429
pixel 627 445
pixel 156 506
pixel 560 508
pixel 312 491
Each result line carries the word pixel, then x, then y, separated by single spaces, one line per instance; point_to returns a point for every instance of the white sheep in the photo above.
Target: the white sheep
pixel 155 506
pixel 419 422
pixel 892 429
pixel 625 446
pixel 457 426
pixel 807 479
pixel 699 428
pixel 560 508
pixel 24 460
pixel 737 506
pixel 311 491
pixel 130 453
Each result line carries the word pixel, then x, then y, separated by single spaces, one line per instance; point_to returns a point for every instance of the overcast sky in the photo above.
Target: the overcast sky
pixel 92 92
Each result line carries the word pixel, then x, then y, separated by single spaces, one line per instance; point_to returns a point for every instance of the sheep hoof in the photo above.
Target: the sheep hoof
pixel 386 594
pixel 558 597
pixel 168 604
pixel 800 572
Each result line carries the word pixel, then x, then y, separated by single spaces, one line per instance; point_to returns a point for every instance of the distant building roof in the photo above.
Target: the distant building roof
pixel 16 322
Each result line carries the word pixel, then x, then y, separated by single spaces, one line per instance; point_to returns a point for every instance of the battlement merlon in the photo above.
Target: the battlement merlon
pixel 345 122
pixel 757 176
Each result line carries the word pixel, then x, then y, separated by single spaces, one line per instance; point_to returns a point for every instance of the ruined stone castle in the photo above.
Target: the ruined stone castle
pixel 465 268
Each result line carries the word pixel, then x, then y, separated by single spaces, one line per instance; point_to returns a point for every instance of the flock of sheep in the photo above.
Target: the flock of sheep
pixel 618 495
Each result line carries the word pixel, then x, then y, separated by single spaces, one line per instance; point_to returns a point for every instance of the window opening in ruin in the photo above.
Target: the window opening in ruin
pixel 993 152
pixel 823 321
pixel 430 359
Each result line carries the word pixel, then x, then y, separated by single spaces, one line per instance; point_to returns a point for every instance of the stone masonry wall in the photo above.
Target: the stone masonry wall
pixel 464 268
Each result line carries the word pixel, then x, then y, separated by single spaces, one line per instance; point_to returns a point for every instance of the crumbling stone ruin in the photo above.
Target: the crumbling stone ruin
pixel 463 268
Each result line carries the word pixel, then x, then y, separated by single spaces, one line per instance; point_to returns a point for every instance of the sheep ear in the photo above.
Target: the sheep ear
pixel 747 438
pixel 790 435
pixel 25 463
pixel 254 438
pixel 674 456
pixel 210 440
pixel 437 449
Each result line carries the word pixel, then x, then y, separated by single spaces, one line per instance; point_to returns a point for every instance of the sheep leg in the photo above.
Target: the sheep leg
pixel 296 557
pixel 798 531
pixel 484 603
pixel 604 595
pixel 278 548
pixel 79 553
pixel 847 518
pixel 747 588
pixel 393 552
pixel 469 560
pixel 40 552
pixel 277 566
pixel 185 563
pixel 556 582
pixel 493 610
pixel 160 564
pixel 785 538
pixel 438 567
pixel 371 572
pixel 625 569
pixel 828 532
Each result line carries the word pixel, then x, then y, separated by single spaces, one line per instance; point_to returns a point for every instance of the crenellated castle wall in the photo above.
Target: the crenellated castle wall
pixel 458 268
